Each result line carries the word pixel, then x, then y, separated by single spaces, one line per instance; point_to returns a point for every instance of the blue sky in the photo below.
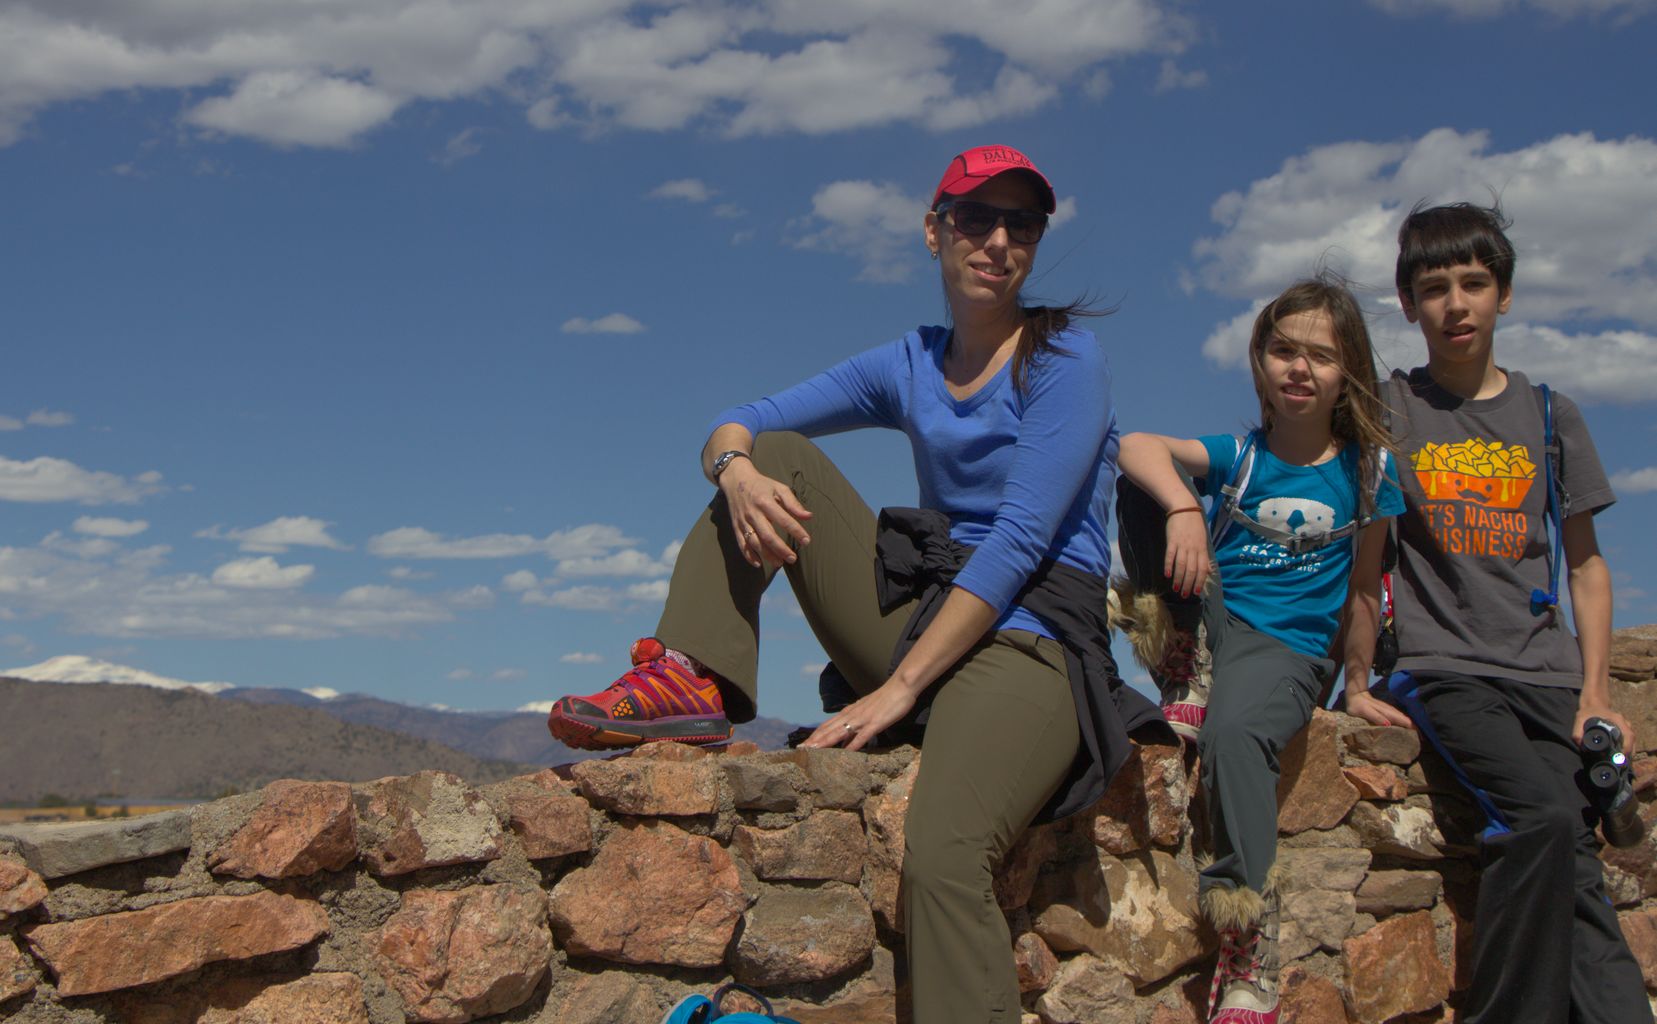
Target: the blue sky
pixel 370 344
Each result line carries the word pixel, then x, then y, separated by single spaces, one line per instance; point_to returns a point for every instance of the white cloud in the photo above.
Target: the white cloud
pixel 1471 9
pixel 540 707
pixel 403 572
pixel 588 541
pixel 128 594
pixel 1064 211
pixel 459 674
pixel 582 598
pixel 463 145
pixel 276 536
pixel 109 526
pixel 48 418
pixel 627 562
pixel 46 479
pixel 86 547
pixel 302 73
pixel 654 591
pixel 1585 227
pixel 691 190
pixel 613 323
pixel 505 675
pixel 581 658
pixel 1635 481
pixel 478 596
pixel 520 581
pixel 297 108
pixel 10 423
pixel 1170 78
pixel 877 223
pixel 813 669
pixel 262 573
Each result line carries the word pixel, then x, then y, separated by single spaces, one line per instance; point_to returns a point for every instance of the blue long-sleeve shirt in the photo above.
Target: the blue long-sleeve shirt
pixel 1022 477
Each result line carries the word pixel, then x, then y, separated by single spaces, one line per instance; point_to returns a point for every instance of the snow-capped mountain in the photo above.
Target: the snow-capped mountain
pixel 77 668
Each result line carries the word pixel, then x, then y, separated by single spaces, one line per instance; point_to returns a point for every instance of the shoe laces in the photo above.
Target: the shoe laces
pixel 1239 961
pixel 1179 664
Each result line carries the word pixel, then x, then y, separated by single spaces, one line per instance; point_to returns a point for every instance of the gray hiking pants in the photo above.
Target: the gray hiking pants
pixel 1001 736
pixel 1263 695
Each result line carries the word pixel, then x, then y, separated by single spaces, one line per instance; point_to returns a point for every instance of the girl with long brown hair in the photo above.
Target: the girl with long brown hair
pixel 1297 527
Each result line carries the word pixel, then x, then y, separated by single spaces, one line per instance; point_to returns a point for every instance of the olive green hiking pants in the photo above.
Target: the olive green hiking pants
pixel 1001 735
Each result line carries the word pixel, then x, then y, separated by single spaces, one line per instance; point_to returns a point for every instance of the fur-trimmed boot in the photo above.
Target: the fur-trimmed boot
pixel 1175 653
pixel 1245 989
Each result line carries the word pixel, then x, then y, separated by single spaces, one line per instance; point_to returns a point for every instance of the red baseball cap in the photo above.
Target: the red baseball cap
pixel 981 163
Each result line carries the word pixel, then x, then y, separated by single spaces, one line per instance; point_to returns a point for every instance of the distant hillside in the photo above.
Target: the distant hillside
pixel 506 735
pixel 94 738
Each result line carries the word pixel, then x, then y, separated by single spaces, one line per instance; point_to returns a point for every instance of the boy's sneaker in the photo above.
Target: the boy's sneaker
pixel 659 698
pixel 1245 978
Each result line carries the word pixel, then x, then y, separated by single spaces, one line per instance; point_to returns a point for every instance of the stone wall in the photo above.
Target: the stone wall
pixel 602 892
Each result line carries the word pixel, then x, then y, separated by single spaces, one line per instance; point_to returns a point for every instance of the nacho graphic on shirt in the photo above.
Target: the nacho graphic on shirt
pixel 1472 493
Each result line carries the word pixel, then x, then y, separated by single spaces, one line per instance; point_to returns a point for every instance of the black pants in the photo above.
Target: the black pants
pixel 1547 946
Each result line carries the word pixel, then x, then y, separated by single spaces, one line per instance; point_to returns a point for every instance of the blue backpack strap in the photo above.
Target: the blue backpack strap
pixel 1541 600
pixel 1230 496
pixel 765 1016
pixel 696 1009
pixel 1400 690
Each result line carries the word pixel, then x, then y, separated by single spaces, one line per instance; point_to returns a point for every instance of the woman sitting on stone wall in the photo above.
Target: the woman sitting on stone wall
pixel 980 615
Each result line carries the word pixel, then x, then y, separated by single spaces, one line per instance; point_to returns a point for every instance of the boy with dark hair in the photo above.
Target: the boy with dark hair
pixel 1496 681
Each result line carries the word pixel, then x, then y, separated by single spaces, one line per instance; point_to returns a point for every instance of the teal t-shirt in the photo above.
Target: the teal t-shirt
pixel 1295 597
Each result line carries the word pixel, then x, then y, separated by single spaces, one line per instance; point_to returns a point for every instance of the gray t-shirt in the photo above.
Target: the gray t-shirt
pixel 1473 540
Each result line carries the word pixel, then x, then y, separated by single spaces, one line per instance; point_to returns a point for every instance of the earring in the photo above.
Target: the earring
pixel 934 254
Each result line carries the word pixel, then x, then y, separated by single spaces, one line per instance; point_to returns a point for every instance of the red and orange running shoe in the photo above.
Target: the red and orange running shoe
pixel 657 699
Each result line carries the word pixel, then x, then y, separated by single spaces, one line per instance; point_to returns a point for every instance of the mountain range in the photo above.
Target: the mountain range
pixel 138 735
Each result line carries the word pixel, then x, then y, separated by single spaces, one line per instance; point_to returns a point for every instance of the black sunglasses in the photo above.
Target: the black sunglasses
pixel 974 219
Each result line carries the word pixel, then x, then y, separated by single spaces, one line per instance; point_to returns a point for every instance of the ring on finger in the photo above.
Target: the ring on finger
pixel 847 727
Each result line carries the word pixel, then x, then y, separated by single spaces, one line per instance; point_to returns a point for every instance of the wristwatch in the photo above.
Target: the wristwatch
pixel 723 460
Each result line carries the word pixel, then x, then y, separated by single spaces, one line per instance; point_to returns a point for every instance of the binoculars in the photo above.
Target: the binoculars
pixel 1611 783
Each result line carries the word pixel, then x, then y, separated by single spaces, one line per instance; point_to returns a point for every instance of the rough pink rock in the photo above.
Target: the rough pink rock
pixel 429 819
pixel 455 956
pixel 827 845
pixel 549 822
pixel 1386 744
pixel 1639 928
pixel 607 998
pixel 20 888
pixel 654 894
pixel 331 998
pixel 116 951
pixel 1086 990
pixel 883 816
pixel 1139 913
pixel 1145 804
pixel 1394 969
pixel 16 979
pixel 839 777
pixel 1310 999
pixel 299 829
pixel 1398 830
pixel 1388 892
pixel 1376 782
pixel 651 785
pixel 792 936
pixel 1312 792
pixel 1015 880
pixel 1035 962
pixel 668 751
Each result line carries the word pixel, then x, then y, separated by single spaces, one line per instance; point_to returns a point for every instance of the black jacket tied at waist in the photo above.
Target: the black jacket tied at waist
pixel 917 558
